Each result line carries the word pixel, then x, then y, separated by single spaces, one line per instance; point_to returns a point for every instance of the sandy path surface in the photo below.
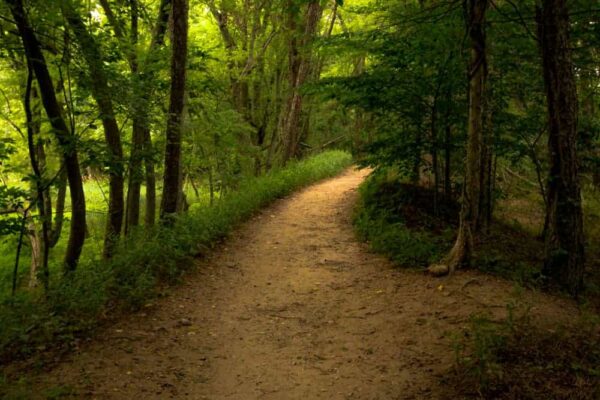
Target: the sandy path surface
pixel 290 307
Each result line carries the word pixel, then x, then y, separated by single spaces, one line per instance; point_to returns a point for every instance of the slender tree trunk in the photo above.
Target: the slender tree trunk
pixel 486 196
pixel 142 140
pixel 448 160
pixel 150 216
pixel 59 214
pixel 33 115
pixel 415 176
pixel 172 175
pixel 462 250
pixel 132 213
pixel 278 100
pixel 39 246
pixel 65 138
pixel 434 154
pixel 564 239
pixel 112 19
pixel 101 93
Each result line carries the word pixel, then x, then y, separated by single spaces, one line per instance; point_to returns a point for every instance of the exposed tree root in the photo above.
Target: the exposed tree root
pixel 438 270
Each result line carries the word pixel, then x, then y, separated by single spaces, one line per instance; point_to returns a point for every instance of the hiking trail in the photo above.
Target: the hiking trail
pixel 291 306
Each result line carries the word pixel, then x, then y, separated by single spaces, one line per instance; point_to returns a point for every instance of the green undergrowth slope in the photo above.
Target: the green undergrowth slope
pixel 145 262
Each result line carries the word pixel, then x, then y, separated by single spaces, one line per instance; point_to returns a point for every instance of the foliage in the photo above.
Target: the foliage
pixel 129 279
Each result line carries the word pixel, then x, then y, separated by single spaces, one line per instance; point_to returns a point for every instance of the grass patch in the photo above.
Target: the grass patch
pixel 31 323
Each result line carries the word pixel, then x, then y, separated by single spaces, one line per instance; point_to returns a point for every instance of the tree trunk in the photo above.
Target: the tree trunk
pixel 132 211
pixel 172 175
pixel 142 141
pixel 564 240
pixel 487 173
pixel 37 249
pixel 59 213
pixel 101 93
pixel 150 216
pixel 434 153
pixel 39 246
pixel 415 175
pixel 300 67
pixel 462 250
pixel 447 161
pixel 65 138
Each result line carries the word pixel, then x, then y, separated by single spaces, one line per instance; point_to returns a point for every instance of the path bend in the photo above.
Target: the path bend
pixel 290 307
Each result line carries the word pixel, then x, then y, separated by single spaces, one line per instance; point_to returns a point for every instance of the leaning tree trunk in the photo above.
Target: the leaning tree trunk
pixel 564 240
pixel 65 138
pixel 463 247
pixel 172 174
pixel 101 93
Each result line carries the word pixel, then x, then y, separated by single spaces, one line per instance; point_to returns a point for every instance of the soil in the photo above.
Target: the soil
pixel 292 306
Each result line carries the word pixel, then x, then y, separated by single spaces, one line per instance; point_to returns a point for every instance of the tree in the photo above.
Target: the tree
pixel 102 95
pixel 470 205
pixel 564 239
pixel 301 64
pixel 144 75
pixel 65 138
pixel 39 250
pixel 172 175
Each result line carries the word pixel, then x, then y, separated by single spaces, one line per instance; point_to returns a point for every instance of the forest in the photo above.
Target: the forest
pixel 167 166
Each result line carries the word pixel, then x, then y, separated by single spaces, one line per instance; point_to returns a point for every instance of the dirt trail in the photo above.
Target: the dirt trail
pixel 291 307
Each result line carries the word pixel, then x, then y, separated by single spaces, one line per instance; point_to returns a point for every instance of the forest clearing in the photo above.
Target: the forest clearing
pixel 285 199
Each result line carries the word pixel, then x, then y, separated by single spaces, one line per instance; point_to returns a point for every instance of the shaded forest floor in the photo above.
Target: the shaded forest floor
pixel 292 306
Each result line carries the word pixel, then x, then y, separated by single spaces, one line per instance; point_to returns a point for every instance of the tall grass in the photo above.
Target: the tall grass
pixel 29 321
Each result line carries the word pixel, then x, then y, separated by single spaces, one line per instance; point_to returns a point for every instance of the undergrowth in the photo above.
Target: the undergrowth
pixel 31 322
pixel 399 220
pixel 515 358
pixel 389 216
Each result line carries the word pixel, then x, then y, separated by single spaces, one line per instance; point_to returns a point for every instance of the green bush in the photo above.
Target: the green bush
pixel 75 303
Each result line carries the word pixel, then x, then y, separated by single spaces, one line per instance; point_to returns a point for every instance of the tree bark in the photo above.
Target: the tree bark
pixel 172 174
pixel 39 248
pixel 564 239
pixel 65 138
pixel 448 159
pixel 434 156
pixel 300 67
pixel 101 93
pixel 59 213
pixel 142 149
pixel 132 213
pixel 485 194
pixel 461 252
